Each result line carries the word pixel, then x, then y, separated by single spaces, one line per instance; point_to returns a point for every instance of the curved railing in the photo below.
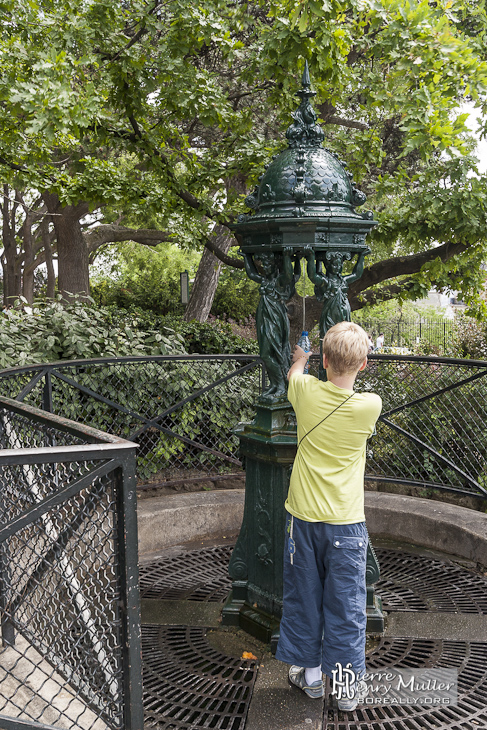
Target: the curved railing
pixel 181 410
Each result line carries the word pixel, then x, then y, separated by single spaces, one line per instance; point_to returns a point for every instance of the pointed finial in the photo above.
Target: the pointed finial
pixel 306 81
pixel 304 131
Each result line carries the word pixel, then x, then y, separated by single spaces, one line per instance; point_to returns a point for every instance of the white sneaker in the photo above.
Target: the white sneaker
pixel 297 677
pixel 360 690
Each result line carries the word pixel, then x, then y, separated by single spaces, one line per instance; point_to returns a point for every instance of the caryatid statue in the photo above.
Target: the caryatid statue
pixel 276 286
pixel 331 287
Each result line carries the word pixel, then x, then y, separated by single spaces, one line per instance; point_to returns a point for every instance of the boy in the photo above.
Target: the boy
pixel 323 622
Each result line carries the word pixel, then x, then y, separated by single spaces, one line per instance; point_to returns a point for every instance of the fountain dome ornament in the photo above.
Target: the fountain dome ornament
pixel 307 185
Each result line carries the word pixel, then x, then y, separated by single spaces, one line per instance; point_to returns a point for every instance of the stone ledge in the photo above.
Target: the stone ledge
pixel 175 519
pixel 180 518
pixel 435 525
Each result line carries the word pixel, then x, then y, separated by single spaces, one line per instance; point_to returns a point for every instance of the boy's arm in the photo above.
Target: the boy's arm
pixel 300 358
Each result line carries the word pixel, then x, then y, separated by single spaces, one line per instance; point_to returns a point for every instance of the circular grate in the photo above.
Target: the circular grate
pixel 189 685
pixel 409 581
pixel 195 575
pixel 414 582
pixel 470 659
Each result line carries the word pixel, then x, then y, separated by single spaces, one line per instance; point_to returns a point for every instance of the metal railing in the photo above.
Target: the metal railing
pixel 69 601
pixel 438 333
pixel 433 428
pixel 182 410
pixel 179 410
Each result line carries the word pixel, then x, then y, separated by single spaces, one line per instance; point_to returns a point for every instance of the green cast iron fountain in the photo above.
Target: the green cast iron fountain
pixel 303 207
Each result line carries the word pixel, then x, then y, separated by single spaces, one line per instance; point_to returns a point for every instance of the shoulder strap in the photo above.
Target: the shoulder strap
pixel 323 419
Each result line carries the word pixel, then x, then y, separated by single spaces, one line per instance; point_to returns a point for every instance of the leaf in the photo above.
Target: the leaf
pixel 248 655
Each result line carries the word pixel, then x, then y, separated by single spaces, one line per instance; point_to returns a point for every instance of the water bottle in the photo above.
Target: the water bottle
pixel 305 344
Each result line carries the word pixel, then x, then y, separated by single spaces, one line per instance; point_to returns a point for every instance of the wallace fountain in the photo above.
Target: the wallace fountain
pixel 304 207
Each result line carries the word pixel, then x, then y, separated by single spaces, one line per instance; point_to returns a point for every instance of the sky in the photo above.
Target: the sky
pixel 472 123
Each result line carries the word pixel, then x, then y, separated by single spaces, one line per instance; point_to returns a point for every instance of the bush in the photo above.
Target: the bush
pixel 145 278
pixel 213 337
pixel 236 296
pixel 470 338
pixel 55 330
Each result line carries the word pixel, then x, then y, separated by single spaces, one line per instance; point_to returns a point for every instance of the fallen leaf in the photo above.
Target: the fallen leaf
pixel 248 655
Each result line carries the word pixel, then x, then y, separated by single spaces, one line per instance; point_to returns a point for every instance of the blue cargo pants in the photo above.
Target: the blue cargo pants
pixel 324 595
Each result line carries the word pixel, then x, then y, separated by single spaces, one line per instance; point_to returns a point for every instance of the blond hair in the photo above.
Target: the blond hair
pixel 346 346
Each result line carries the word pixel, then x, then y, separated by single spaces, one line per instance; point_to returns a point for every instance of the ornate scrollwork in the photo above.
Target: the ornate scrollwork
pixel 252 200
pixel 267 194
pixel 372 570
pixel 264 550
pixel 238 568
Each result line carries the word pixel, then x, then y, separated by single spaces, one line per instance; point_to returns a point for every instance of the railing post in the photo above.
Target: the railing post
pixel 6 624
pixel 47 393
pixel 129 576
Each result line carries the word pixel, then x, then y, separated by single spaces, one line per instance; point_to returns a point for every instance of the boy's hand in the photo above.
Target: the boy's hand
pixel 300 358
pixel 299 354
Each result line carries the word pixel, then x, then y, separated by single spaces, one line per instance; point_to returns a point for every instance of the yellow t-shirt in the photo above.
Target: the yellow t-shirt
pixel 327 481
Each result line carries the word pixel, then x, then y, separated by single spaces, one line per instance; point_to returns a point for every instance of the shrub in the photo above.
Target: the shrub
pixel 236 296
pixel 55 330
pixel 470 338
pixel 213 337
pixel 146 278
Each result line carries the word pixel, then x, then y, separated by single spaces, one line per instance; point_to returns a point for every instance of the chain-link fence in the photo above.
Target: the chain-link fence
pixel 406 333
pixel 70 625
pixel 433 428
pixel 179 410
pixel 182 411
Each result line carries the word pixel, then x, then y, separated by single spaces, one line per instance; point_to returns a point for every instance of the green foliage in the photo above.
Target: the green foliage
pixel 149 279
pixel 142 277
pixel 470 338
pixel 212 337
pixel 51 331
pixel 236 295
pixel 167 111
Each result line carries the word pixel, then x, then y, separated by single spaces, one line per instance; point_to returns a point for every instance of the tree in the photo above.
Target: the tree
pixel 152 108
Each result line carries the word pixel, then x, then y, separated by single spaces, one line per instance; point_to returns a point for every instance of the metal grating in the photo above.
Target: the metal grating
pixel 409 581
pixel 471 713
pixel 189 685
pixel 414 582
pixel 194 575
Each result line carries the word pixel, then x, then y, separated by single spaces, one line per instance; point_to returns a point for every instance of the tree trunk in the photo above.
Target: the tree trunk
pixel 206 280
pixel 28 275
pixel 73 260
pixel 51 276
pixel 11 272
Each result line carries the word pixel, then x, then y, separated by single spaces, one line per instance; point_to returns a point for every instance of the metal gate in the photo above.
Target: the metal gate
pixel 69 599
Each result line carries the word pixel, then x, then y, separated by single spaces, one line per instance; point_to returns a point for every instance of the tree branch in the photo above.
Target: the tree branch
pixel 351 123
pixel 404 265
pixel 390 291
pixel 328 114
pixel 228 260
pixel 111 233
